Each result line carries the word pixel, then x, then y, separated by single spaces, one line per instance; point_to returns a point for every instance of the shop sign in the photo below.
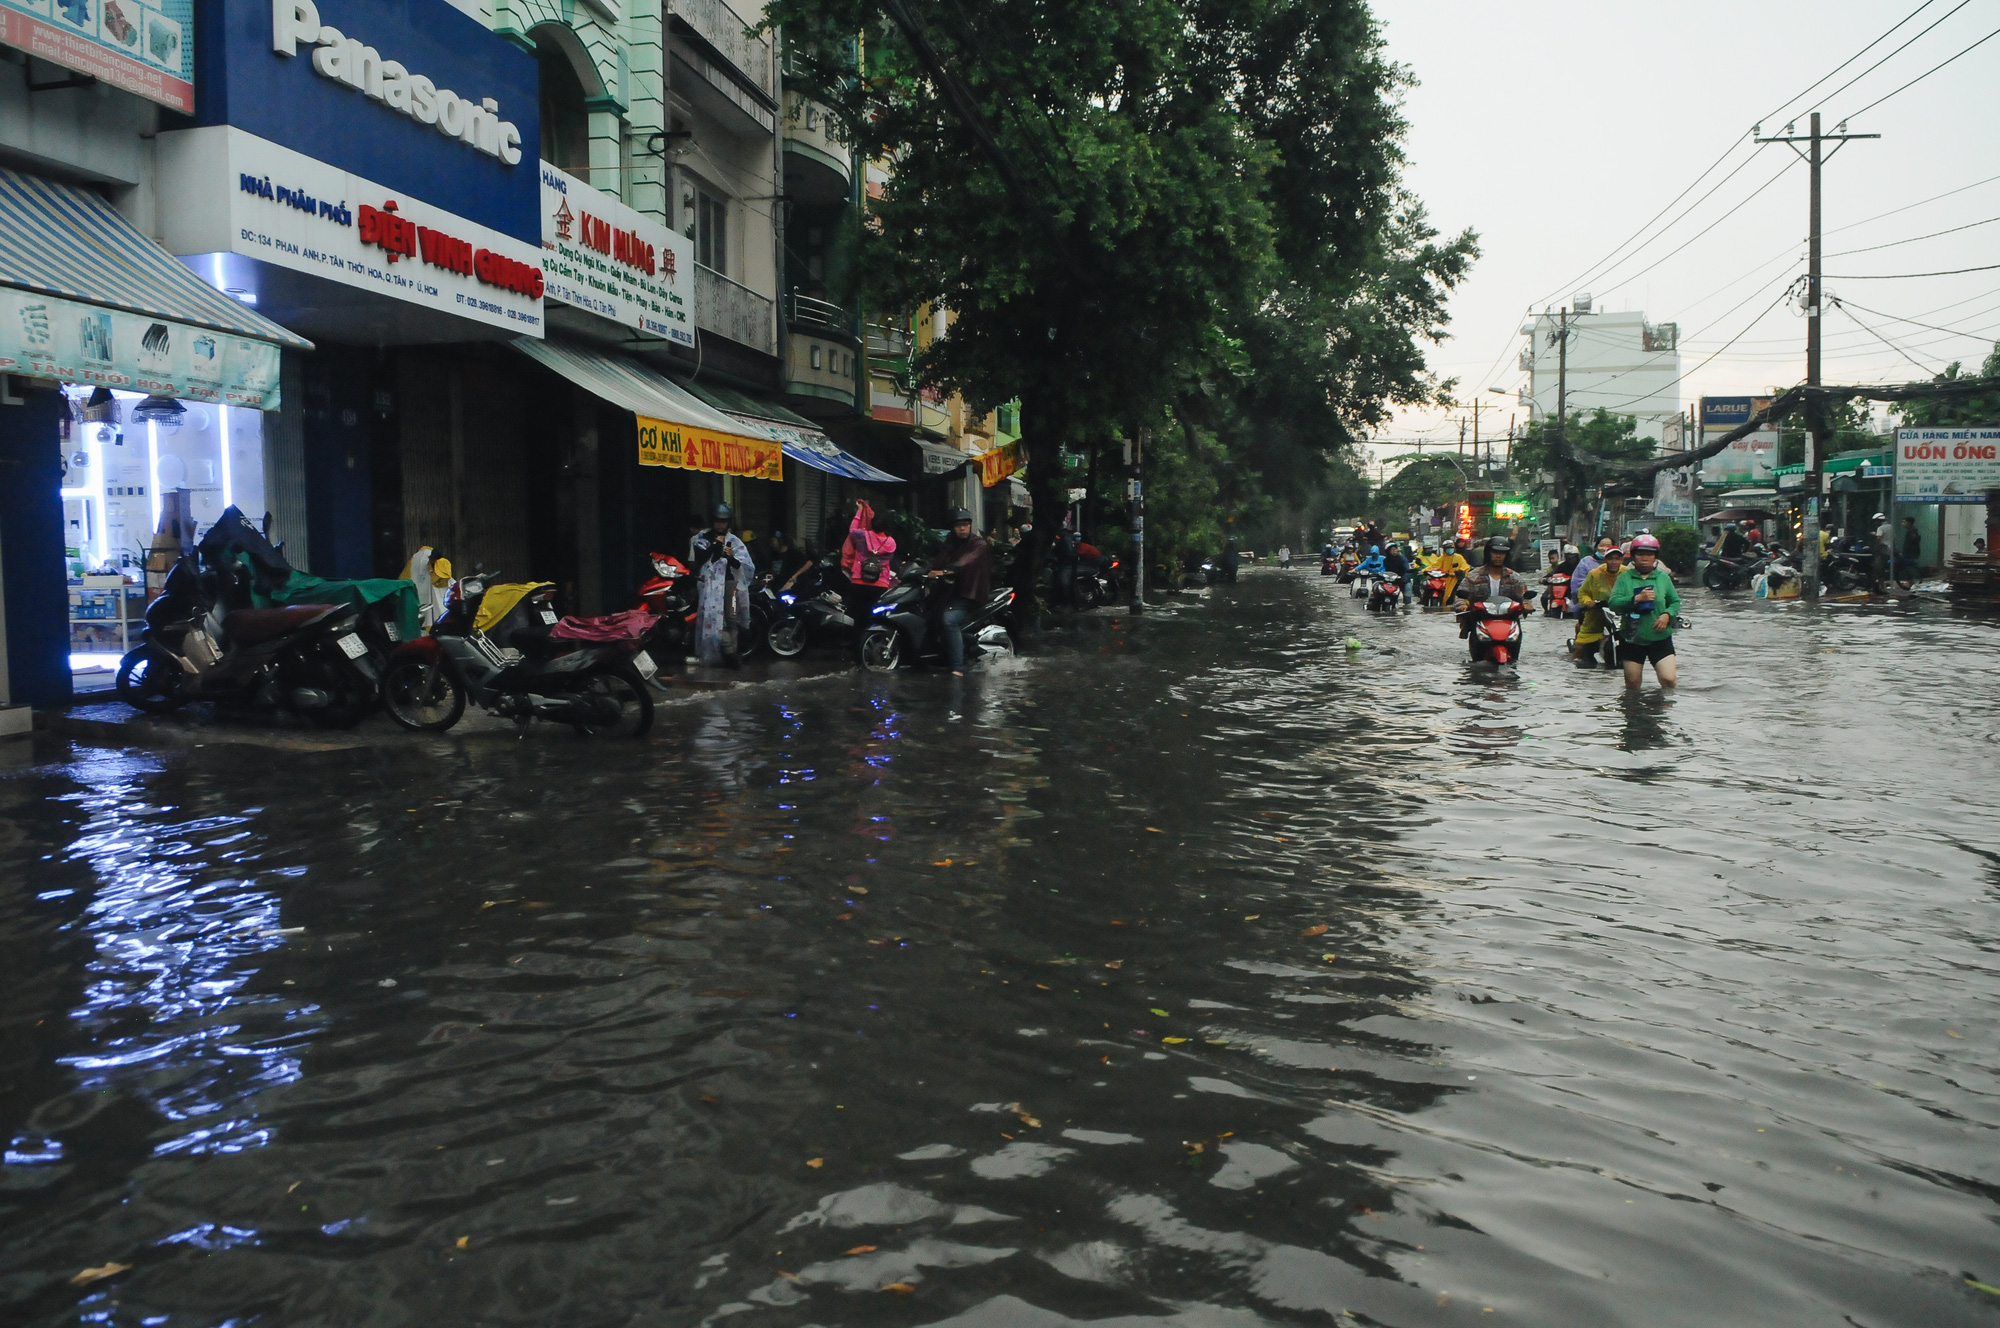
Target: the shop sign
pixel 1673 493
pixel 418 98
pixel 226 191
pixel 1749 459
pixel 683 447
pixel 45 337
pixel 1946 465
pixel 614 261
pixel 998 463
pixel 146 49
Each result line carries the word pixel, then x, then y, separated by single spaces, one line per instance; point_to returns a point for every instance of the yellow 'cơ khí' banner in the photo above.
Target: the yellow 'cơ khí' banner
pixel 663 443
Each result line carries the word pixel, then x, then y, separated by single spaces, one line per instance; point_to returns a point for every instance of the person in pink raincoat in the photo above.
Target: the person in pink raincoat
pixel 866 559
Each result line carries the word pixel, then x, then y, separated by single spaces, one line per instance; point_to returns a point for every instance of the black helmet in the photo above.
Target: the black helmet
pixel 721 512
pixel 1498 545
pixel 959 514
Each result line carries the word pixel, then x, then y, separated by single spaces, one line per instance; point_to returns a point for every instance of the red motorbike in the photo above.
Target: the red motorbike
pixel 1493 632
pixel 1555 594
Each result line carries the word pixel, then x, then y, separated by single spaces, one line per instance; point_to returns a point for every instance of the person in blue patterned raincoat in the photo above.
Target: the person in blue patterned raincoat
pixel 723 569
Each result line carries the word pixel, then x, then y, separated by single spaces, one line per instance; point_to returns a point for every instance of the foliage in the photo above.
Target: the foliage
pixel 1424 482
pixel 1184 215
pixel 1679 543
pixel 1599 436
pixel 1946 412
pixel 1182 483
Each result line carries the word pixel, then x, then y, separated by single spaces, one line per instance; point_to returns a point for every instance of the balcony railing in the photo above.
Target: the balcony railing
pixel 724 29
pixel 809 311
pixel 888 343
pixel 730 309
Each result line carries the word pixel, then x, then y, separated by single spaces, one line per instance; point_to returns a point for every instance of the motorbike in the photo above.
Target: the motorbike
pixel 1385 595
pixel 519 668
pixel 1732 573
pixel 672 597
pixel 1362 584
pixel 812 609
pixel 1329 564
pixel 1098 586
pixel 1348 562
pixel 1494 632
pixel 1432 593
pixel 202 642
pixel 1605 648
pixel 1555 594
pixel 1845 571
pixel 900 627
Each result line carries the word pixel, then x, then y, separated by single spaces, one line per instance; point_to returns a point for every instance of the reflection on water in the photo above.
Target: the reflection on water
pixel 1197 972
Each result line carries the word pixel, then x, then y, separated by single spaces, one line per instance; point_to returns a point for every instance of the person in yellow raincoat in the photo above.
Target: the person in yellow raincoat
pixel 1452 563
pixel 1591 629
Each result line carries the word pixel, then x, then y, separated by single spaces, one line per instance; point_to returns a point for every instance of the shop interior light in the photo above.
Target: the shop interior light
pixel 153 476
pixel 222 432
pixel 164 412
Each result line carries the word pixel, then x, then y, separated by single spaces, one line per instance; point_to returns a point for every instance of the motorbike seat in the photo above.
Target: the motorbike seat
pixel 254 626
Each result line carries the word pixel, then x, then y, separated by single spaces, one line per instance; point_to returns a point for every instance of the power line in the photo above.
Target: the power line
pixel 1927 73
pixel 1923 368
pixel 1914 238
pixel 1726 345
pixel 1906 276
pixel 1890 56
pixel 1704 230
pixel 1852 58
pixel 1928 327
pixel 1907 206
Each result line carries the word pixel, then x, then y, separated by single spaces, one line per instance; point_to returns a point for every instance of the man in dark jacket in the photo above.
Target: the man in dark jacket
pixel 968 561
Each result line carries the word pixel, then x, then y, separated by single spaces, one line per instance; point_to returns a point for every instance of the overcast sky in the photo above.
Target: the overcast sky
pixel 1556 129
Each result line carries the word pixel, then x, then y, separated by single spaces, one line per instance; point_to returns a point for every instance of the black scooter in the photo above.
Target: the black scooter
pixel 903 627
pixel 811 611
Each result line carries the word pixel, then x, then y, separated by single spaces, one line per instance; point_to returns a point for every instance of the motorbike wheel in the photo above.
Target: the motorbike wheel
pixel 621 686
pixel 881 649
pixel 352 703
pixel 1716 578
pixel 150 680
pixel 788 638
pixel 422 696
pixel 997 652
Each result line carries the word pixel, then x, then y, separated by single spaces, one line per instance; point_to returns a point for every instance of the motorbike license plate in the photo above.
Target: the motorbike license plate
pixel 644 663
pixel 549 617
pixel 353 646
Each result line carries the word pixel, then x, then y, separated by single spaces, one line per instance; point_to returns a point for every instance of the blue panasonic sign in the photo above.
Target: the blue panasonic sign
pixel 409 94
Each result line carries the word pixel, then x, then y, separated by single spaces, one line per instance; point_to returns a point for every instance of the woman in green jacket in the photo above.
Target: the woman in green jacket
pixel 1645 599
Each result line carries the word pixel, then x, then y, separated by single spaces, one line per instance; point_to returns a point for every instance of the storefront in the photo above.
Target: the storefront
pixel 136 408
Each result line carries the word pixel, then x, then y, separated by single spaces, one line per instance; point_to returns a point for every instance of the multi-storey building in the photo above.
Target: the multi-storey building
pixel 1617 361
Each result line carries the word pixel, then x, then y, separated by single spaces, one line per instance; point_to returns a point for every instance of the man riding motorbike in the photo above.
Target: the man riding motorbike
pixel 1491 580
pixel 1451 561
pixel 969 559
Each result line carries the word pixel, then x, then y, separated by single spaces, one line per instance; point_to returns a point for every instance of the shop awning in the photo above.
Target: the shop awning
pixel 803 441
pixel 1841 465
pixel 942 460
pixel 85 297
pixel 676 429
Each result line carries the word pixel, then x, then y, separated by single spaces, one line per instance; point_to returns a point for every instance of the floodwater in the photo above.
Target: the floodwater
pixel 1201 973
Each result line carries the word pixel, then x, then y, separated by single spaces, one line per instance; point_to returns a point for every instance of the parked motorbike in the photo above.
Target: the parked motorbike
pixel 1846 571
pixel 1385 595
pixel 901 627
pixel 812 610
pixel 1733 573
pixel 202 642
pixel 1495 632
pixel 518 669
pixel 1097 586
pixel 1555 594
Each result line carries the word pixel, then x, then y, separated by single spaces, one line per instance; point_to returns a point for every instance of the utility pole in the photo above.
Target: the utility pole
pixel 1475 438
pixel 1816 430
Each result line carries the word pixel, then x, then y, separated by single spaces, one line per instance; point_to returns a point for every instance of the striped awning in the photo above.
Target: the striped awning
pixel 62 241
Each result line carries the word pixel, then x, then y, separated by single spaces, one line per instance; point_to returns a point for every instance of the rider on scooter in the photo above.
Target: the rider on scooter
pixel 1491 580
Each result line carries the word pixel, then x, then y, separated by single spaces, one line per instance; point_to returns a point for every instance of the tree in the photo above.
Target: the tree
pixel 1956 412
pixel 1599 436
pixel 1142 207
pixel 1431 482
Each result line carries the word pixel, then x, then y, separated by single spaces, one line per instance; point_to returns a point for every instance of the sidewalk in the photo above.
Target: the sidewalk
pixel 108 720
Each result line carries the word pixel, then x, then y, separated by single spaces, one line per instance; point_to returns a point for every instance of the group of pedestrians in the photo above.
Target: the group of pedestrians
pixel 1628 597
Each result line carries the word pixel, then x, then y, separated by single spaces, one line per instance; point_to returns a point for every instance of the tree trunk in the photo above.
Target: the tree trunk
pixel 1042 426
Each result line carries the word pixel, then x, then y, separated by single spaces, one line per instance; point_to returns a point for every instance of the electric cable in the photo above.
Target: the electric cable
pixel 1914 238
pixel 1851 59
pixel 1890 56
pixel 1908 276
pixel 1957 332
pixel 1927 73
pixel 1712 358
pixel 1921 367
pixel 1706 229
pixel 1907 206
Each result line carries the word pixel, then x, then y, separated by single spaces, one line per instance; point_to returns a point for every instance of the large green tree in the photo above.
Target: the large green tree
pixel 1955 412
pixel 1144 215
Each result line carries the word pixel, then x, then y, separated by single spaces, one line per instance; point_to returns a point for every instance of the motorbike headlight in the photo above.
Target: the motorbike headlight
pixel 789 599
pixel 882 608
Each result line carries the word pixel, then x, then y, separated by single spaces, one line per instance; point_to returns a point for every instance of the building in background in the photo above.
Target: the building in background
pixel 1617 361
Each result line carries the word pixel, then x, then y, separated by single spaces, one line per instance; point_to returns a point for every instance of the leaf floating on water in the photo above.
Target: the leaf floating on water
pixel 1315 931
pixel 815 1162
pixel 1330 958
pixel 462 1242
pixel 1978 1285
pixel 1252 917
pixel 942 862
pixel 862 1249
pixel 99 1273
pixel 565 1200
pixel 1116 963
pixel 1173 1039
pixel 857 889
pixel 900 1288
pixel 842 917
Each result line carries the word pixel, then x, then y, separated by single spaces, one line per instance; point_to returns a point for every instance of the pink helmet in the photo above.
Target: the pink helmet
pixel 1645 542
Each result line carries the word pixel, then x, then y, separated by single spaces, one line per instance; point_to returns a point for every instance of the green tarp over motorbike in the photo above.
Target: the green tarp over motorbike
pixel 305 588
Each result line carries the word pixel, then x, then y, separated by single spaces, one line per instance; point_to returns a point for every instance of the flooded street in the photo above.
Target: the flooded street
pixel 1198 972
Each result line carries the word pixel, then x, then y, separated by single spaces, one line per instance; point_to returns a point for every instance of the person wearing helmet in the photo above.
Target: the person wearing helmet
pixel 1644 604
pixel 966 563
pixel 1491 580
pixel 724 572
pixel 1451 561
pixel 1372 564
pixel 1732 544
